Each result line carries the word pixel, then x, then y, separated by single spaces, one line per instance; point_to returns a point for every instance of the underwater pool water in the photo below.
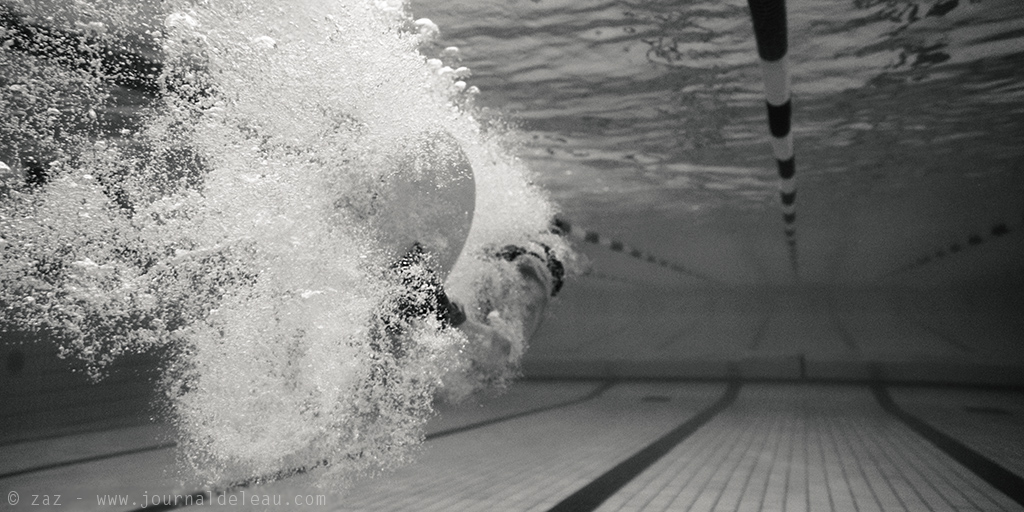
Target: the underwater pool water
pixel 212 220
pixel 646 120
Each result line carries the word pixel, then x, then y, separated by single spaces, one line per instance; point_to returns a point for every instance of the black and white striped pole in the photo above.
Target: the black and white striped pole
pixel 769 17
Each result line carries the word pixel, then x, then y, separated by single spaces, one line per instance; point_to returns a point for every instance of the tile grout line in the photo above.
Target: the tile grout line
pixel 705 474
pixel 769 428
pixel 752 436
pixel 833 449
pixel 910 488
pixel 871 451
pixel 818 427
pixel 771 464
pixel 848 448
pixel 789 458
pixel 917 460
pixel 742 467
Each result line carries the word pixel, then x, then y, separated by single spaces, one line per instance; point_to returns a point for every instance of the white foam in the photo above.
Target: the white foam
pixel 246 248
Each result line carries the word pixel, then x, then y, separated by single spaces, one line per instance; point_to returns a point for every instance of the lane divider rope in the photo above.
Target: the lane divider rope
pixel 593 237
pixel 769 19
pixel 998 230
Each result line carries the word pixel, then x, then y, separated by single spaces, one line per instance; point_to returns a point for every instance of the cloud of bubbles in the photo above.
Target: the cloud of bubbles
pixel 223 220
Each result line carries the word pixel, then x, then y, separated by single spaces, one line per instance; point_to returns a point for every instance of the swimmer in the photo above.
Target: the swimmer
pixel 369 323
pixel 540 278
pixel 424 224
pixel 426 220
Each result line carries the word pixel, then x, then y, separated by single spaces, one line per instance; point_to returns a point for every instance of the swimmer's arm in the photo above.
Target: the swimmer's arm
pixel 538 284
pixel 495 347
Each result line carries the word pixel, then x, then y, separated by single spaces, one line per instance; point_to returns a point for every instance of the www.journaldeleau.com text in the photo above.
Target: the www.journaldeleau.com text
pixel 147 500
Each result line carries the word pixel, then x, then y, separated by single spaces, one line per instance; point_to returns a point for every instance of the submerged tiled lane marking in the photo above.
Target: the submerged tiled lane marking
pixel 995 475
pixel 920 478
pixel 813 448
pixel 990 422
pixel 596 492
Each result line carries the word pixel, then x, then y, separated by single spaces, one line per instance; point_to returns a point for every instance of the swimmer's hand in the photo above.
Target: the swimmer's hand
pixel 491 348
pixel 540 278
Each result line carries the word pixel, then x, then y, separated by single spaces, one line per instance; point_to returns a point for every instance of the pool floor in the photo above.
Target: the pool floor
pixel 607 445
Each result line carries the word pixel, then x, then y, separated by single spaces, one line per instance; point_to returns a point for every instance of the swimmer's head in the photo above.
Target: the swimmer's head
pixel 427 200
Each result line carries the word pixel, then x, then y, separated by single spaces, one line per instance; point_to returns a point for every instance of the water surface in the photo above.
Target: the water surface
pixel 646 122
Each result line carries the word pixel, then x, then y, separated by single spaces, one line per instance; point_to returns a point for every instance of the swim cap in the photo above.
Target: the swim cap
pixel 429 201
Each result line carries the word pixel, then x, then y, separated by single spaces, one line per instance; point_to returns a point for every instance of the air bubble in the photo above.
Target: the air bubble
pixel 265 42
pixel 427 29
pixel 180 20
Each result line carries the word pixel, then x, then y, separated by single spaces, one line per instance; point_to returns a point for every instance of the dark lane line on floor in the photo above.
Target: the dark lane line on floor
pixel 71 433
pixel 592 495
pixel 995 475
pixel 85 460
pixel 456 430
pixel 207 496
pixel 435 435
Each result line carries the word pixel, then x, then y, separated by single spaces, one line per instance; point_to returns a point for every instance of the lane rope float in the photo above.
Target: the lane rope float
pixel 769 19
